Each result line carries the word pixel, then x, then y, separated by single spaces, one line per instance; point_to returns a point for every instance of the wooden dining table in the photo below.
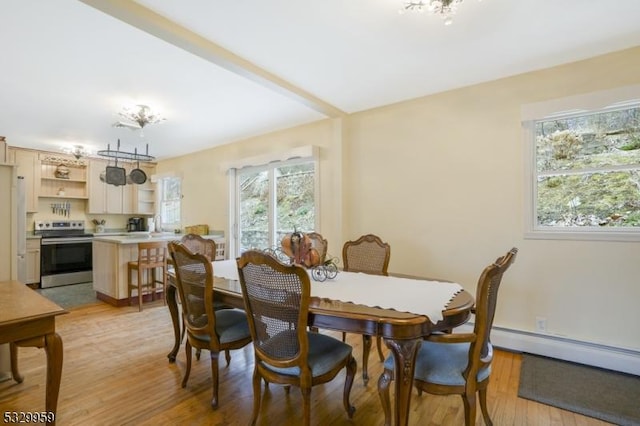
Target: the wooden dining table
pixel 28 319
pixel 403 332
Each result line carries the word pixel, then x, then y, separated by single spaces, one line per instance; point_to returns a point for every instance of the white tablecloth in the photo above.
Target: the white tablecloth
pixel 421 297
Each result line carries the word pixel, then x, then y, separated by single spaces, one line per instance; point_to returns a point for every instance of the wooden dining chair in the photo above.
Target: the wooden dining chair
pixel 151 258
pixel 207 328
pixel 368 254
pixel 276 298
pixel 458 363
pixel 207 247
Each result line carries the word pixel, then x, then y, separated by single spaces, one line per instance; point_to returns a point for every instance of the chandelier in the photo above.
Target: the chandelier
pixel 77 151
pixel 445 8
pixel 138 117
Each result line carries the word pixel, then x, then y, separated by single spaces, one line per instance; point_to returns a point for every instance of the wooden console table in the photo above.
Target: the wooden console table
pixel 28 319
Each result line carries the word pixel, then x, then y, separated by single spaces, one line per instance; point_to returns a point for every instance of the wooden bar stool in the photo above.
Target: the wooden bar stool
pixel 151 257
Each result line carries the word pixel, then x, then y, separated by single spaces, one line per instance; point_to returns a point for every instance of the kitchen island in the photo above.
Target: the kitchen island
pixel 111 253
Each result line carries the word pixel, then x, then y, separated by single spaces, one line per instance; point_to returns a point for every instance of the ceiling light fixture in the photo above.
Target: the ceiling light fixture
pixel 445 8
pixel 138 116
pixel 77 151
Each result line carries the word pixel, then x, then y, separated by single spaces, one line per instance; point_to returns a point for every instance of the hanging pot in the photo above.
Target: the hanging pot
pixel 137 175
pixel 115 175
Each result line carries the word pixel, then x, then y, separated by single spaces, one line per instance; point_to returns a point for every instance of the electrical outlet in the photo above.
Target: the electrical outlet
pixel 541 324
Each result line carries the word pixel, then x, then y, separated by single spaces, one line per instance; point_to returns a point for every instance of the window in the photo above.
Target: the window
pixel 170 195
pixel 585 173
pixel 274 200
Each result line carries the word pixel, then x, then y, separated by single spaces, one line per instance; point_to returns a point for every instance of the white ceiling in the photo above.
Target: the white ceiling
pixel 221 71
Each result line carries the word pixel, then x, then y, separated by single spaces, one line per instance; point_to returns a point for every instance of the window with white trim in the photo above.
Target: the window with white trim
pixel 170 202
pixel 585 173
pixel 273 200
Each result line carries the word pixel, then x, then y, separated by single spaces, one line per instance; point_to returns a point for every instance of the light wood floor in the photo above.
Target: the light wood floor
pixel 116 373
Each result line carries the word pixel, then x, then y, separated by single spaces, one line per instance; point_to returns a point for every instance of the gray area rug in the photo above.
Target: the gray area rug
pixel 603 394
pixel 71 296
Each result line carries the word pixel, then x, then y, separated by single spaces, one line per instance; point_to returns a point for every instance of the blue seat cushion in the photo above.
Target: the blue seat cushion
pixel 325 352
pixel 442 363
pixel 231 325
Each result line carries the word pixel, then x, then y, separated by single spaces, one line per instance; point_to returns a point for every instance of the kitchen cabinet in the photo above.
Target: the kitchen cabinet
pixel 33 261
pixel 62 177
pixel 28 167
pixel 105 198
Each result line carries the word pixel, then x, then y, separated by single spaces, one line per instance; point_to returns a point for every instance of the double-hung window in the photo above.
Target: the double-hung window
pixel 170 202
pixel 584 170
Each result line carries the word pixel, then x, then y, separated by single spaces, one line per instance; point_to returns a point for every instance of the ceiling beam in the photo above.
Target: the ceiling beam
pixel 159 26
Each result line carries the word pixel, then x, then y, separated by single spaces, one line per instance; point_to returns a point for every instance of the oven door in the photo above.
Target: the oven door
pixel 65 261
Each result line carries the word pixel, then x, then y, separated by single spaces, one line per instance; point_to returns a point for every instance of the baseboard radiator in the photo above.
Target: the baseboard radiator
pixel 611 358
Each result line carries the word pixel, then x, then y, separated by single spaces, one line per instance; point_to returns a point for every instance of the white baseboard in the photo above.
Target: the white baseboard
pixel 617 359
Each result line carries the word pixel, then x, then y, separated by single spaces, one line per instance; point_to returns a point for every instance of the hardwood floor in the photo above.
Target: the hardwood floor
pixel 116 373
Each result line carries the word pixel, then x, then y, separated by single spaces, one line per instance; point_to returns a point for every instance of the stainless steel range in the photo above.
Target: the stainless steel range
pixel 66 252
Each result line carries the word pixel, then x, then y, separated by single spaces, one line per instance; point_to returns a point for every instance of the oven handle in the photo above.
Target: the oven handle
pixel 57 241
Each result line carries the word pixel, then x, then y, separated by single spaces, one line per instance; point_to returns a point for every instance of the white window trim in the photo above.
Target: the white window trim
pixel 614 98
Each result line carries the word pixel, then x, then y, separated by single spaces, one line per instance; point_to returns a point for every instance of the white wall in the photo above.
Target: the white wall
pixel 441 178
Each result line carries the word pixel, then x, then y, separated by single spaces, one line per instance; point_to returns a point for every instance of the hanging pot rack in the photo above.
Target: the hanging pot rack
pixel 124 155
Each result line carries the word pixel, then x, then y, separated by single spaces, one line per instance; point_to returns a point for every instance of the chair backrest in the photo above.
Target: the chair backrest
pixel 480 351
pixel 196 244
pixel 276 298
pixel 320 244
pixel 194 280
pixel 366 254
pixel 151 254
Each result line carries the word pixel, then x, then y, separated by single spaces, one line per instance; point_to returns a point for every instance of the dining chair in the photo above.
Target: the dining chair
pixel 196 244
pixel 206 328
pixel 458 363
pixel 276 298
pixel 151 258
pixel 368 254
pixel 319 243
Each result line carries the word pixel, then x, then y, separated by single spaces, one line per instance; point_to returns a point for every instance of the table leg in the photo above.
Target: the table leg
pixel 172 303
pixel 53 349
pixel 404 356
pixel 13 349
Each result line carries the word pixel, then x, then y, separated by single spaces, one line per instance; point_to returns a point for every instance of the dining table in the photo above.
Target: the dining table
pixel 28 319
pixel 403 310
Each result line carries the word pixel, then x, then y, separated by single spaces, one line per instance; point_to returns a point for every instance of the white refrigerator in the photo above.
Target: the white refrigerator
pixel 13 219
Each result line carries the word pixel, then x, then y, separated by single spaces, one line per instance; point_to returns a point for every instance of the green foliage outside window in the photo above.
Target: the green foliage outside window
pixel 588 170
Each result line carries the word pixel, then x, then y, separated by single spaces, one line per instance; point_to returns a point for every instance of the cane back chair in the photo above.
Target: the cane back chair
pixel 276 298
pixel 207 328
pixel 370 255
pixel 458 363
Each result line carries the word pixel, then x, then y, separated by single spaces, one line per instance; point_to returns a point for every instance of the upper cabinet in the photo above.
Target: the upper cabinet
pixel 29 167
pixel 124 199
pixel 63 177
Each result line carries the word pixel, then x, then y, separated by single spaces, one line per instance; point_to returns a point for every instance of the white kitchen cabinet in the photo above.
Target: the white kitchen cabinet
pixel 105 198
pixel 33 261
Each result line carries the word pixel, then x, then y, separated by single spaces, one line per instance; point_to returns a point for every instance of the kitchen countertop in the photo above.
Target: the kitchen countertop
pixel 141 237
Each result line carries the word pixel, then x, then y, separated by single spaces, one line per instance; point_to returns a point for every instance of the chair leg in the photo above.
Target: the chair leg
pixel 257 397
pixel 352 367
pixel 344 336
pixel 187 371
pixel 366 349
pixel 379 345
pixel 306 403
pixel 483 407
pixel 469 401
pixel 383 392
pixel 227 356
pixel 130 284
pixel 140 286
pixel 214 377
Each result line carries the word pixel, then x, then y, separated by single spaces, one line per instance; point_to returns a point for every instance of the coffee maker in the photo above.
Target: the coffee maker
pixel 136 224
